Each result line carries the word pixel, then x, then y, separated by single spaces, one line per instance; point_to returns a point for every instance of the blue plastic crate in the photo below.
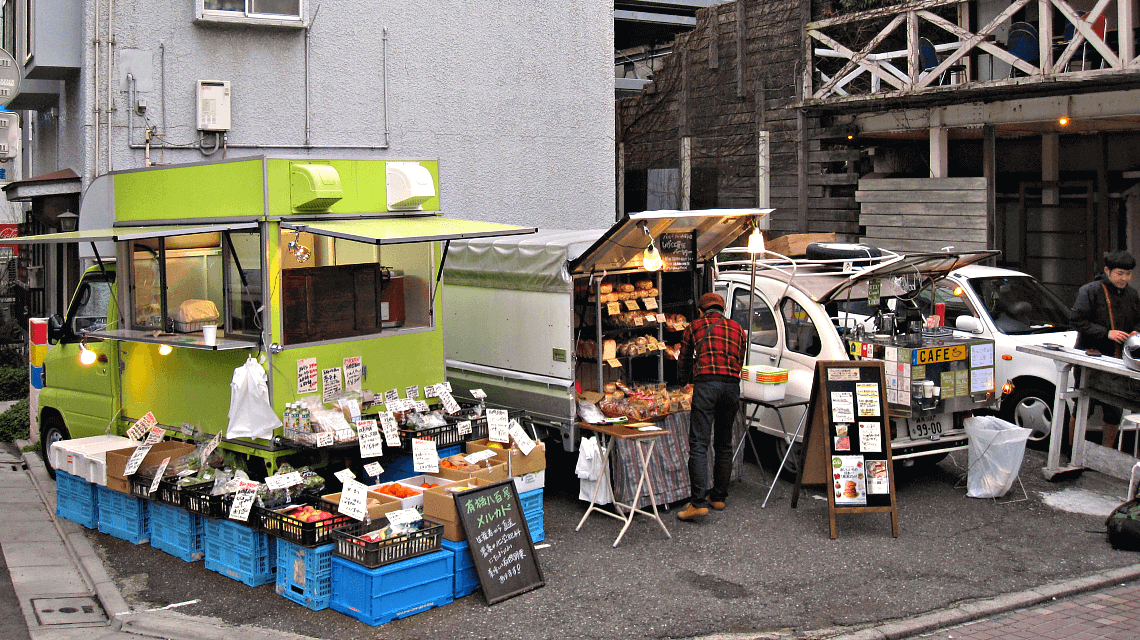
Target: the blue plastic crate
pixel 531 501
pixel 445 452
pixel 177 532
pixel 236 551
pixel 305 575
pixel 402 466
pixel 397 590
pixel 534 525
pixel 466 578
pixel 76 499
pixel 124 516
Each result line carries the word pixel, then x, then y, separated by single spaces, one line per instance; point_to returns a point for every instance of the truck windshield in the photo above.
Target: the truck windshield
pixel 1021 305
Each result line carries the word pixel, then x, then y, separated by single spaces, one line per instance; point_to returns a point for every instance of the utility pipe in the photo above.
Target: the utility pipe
pixel 108 50
pixel 384 79
pixel 95 96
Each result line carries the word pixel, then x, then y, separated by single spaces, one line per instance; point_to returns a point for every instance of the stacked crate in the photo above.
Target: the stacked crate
pixel 177 532
pixel 531 503
pixel 124 516
pixel 305 575
pixel 397 590
pixel 76 499
pixel 236 551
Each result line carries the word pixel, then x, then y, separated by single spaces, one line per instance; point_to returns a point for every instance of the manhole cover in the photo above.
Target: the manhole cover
pixel 74 610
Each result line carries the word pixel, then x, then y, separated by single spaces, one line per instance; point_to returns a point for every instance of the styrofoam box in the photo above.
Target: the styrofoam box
pixel 768 392
pixel 68 455
pixel 530 481
pixel 405 503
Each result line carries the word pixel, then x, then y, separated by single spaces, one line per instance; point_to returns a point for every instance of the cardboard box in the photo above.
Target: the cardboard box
pixel 530 481
pixel 415 481
pixel 439 506
pixel 387 503
pixel 497 471
pixel 795 244
pixel 405 503
pixel 519 464
pixel 117 461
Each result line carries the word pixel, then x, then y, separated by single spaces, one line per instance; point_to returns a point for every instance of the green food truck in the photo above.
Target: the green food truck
pixel 324 272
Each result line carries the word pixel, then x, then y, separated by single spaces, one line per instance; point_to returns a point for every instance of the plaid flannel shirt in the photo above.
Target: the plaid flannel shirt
pixel 720 350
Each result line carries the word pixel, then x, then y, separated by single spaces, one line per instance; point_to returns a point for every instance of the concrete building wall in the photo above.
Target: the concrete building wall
pixel 514 98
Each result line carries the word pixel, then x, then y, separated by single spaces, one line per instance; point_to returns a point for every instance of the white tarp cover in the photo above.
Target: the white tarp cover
pixel 536 262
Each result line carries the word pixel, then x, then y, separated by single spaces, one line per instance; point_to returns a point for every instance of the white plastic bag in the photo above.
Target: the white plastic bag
pixel 996 450
pixel 589 471
pixel 251 415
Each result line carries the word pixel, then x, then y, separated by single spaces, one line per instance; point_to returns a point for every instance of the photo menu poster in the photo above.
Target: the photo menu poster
pixel 858 437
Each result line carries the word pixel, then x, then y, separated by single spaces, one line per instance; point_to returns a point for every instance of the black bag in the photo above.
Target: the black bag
pixel 1124 526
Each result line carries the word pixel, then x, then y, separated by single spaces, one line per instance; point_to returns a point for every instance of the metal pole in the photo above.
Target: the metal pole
pixel 751 310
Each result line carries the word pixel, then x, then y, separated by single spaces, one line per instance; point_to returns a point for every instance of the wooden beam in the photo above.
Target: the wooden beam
pixel 741 63
pixel 930 220
pixel 921 184
pixel 936 197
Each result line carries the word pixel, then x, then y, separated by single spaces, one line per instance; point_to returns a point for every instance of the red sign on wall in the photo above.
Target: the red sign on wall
pixel 9 231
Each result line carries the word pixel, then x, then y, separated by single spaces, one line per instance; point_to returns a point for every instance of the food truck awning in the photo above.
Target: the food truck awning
pixel 622 245
pixel 406 229
pixel 118 234
pixel 522 263
pixel 925 265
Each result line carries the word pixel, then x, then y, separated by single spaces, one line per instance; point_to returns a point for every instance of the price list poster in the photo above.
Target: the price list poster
pixel 848 445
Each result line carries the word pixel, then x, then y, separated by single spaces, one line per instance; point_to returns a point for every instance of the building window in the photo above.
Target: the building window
pixel 272 12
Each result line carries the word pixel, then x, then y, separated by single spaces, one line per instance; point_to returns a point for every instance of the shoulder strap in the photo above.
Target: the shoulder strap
pixel 708 329
pixel 1111 319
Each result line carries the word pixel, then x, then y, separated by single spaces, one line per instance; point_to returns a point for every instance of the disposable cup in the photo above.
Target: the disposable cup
pixel 210 334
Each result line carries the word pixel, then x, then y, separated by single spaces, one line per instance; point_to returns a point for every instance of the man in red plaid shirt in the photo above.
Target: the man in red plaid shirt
pixel 712 352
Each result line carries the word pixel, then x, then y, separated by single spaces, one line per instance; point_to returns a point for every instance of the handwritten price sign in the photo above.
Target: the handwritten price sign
pixel 307 375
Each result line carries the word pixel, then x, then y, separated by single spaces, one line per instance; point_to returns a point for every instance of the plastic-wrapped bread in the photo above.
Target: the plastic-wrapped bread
pixel 645 285
pixel 609 349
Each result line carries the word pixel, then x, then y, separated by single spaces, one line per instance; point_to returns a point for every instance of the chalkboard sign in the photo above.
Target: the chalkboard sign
pixel 678 250
pixel 499 540
pixel 847 447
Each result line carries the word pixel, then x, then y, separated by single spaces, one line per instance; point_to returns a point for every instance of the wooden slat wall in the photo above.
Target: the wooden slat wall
pixel 923 214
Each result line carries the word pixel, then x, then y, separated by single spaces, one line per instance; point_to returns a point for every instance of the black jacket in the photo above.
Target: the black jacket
pixel 1090 314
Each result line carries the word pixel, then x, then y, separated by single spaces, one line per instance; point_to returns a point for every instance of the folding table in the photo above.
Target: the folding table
pixel 775 405
pixel 631 432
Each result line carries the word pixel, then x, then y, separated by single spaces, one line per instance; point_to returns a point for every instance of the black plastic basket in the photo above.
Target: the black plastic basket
pixel 351 547
pixel 306 534
pixel 199 501
pixel 448 434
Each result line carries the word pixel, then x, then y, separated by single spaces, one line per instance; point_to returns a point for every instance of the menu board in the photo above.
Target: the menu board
pixel 847 447
pixel 678 250
pixel 499 540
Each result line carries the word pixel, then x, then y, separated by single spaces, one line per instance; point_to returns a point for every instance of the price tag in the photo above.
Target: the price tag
pixel 446 386
pixel 631 305
pixel 412 392
pixel 874 292
pixel 344 475
pixel 465 428
pixel 210 446
pixel 371 446
pixel 404 516
pixel 388 426
pixel 650 303
pixel 661 317
pixel 425 458
pixel 497 429
pixel 243 500
pixel 391 395
pixel 614 362
pixel 136 459
pixel 478 394
pixel 422 406
pixel 354 500
pixel 449 403
pixel 186 472
pixel 307 375
pixel 373 469
pixel 613 308
pixel 351 406
pixel 353 373
pixel 330 384
pixel 526 445
pixel 325 439
pixel 187 429
pixel 141 426
pixel 155 435
pixel 158 474
pixel 638 321
pixel 283 480
pixel 479 456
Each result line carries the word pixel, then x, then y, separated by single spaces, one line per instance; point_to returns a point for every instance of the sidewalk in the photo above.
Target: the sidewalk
pixel 62 586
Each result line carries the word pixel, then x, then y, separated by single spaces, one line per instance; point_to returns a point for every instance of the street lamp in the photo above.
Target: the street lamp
pixel 67 222
pixel 755 247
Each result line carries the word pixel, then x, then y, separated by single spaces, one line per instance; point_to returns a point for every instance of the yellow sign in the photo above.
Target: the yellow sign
pixel 938 354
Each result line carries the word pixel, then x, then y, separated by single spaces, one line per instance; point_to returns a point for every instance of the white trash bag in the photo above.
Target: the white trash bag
pixel 589 472
pixel 996 450
pixel 251 414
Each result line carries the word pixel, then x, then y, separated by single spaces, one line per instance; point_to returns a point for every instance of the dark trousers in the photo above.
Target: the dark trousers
pixel 714 408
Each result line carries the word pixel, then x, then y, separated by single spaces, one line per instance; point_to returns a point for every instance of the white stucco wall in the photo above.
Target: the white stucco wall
pixel 514 98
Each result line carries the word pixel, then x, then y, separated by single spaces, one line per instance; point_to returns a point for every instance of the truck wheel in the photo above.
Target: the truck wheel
pixel 842 251
pixel 53 430
pixel 1030 406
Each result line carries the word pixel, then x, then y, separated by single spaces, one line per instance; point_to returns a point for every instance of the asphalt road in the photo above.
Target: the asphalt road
pixel 744 569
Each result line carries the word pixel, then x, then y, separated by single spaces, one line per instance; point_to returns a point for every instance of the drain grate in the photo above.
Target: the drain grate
pixel 71 610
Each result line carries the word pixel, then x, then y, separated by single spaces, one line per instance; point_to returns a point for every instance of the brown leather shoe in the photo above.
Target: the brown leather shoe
pixel 718 505
pixel 691 513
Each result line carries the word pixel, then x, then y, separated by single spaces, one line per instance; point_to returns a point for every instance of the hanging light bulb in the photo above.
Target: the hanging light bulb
pixel 87 357
pixel 300 252
pixel 164 350
pixel 755 241
pixel 651 258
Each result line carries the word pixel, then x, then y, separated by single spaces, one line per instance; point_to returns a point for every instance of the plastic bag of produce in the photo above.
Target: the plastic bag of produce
pixel 251 414
pixel 996 450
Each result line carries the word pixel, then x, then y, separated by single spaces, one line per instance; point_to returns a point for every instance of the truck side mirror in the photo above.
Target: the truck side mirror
pixel 968 323
pixel 55 329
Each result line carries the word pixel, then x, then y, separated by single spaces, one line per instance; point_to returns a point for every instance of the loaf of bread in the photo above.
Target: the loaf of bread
pixel 605 287
pixel 625 287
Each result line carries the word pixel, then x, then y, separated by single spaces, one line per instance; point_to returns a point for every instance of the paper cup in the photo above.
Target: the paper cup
pixel 210 334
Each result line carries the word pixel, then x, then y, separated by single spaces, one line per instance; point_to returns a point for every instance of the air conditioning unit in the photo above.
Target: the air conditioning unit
pixel 410 185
